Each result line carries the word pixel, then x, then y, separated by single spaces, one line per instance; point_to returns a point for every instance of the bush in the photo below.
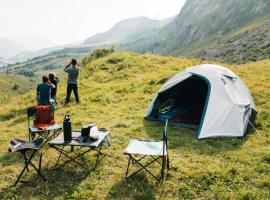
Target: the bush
pixel 15 87
pixel 98 53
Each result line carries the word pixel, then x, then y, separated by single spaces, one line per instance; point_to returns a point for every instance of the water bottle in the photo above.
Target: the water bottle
pixel 67 129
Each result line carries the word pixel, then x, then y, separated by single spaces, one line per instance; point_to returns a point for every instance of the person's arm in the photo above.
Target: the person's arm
pixel 66 68
pixel 52 85
pixel 56 79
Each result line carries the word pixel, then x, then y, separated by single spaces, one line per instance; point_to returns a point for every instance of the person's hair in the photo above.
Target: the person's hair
pixel 45 79
pixel 74 61
pixel 52 76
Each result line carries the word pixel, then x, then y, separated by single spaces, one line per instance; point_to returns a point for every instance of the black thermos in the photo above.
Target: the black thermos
pixel 67 129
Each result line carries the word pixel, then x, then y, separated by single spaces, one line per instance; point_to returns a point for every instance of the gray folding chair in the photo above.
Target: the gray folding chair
pixel 138 150
pixel 24 147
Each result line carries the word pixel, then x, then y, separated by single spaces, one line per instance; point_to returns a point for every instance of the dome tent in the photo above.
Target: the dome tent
pixel 207 97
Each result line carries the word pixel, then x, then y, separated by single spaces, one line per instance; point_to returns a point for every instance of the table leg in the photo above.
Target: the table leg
pixel 59 154
pixel 98 155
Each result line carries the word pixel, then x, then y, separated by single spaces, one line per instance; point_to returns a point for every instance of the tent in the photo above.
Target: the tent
pixel 209 98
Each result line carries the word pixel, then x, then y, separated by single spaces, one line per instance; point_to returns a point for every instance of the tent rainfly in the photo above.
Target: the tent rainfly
pixel 209 98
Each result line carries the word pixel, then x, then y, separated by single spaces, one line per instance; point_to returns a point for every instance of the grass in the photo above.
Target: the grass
pixel 13 85
pixel 115 91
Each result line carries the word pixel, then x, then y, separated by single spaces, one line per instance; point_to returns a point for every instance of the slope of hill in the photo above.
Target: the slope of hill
pixel 127 31
pixel 115 91
pixel 250 43
pixel 52 61
pixel 13 85
pixel 198 23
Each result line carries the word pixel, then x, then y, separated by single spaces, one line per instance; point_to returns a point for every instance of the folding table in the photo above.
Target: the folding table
pixel 82 148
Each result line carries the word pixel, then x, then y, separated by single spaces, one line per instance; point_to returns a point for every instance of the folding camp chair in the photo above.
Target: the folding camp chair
pixel 48 133
pixel 27 146
pixel 137 150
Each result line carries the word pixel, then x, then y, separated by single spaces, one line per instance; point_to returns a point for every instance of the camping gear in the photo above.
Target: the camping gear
pixel 209 98
pixel 44 116
pixel 67 129
pixel 24 147
pixel 94 132
pixel 90 145
pixel 89 131
pixel 157 150
pixel 85 133
pixel 48 132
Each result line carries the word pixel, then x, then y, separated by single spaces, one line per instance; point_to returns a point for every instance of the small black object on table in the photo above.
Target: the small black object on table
pixel 59 144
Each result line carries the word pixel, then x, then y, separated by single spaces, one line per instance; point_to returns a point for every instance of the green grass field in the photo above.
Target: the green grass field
pixel 13 85
pixel 115 91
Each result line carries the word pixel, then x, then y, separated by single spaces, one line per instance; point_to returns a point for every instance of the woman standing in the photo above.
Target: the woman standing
pixel 54 81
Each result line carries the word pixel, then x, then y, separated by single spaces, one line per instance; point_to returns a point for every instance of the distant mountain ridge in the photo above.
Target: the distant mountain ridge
pixel 9 48
pixel 127 31
pixel 199 22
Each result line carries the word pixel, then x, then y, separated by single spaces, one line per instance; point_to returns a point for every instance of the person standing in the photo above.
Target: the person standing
pixel 54 82
pixel 73 73
pixel 44 92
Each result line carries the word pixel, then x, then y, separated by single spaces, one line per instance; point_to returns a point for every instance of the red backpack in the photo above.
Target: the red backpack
pixel 44 116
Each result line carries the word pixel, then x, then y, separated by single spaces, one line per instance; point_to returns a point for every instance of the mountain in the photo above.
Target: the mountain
pixel 198 23
pixel 54 60
pixel 115 92
pixel 26 55
pixel 249 43
pixel 3 62
pixel 127 31
pixel 24 48
pixel 34 42
pixel 9 48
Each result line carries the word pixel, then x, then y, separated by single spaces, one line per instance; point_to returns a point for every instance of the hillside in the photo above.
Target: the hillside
pixel 127 31
pixel 198 23
pixel 13 85
pixel 249 43
pixel 52 61
pixel 115 91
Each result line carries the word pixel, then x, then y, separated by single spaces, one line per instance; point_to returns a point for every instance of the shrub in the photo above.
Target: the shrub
pixel 15 87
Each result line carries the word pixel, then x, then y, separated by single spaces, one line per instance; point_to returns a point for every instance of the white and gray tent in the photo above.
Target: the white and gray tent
pixel 207 97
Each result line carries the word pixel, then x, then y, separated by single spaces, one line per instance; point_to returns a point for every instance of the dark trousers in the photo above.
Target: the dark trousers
pixel 72 87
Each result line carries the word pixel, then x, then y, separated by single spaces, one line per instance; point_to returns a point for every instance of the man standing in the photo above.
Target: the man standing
pixel 73 73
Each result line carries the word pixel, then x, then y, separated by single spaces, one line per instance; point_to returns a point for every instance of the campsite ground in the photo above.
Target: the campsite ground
pixel 115 91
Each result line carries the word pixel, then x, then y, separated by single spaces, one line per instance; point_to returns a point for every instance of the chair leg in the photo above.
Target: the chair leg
pixel 19 177
pixel 39 167
pixel 163 166
pixel 27 161
pixel 127 167
pixel 143 167
pixel 38 171
pixel 168 162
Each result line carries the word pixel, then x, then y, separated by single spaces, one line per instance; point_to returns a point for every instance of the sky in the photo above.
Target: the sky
pixel 65 21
